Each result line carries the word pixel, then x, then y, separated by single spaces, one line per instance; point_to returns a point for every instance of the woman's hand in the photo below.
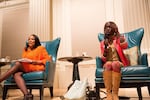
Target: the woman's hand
pixel 106 51
pixel 123 42
pixel 106 43
pixel 36 62
pixel 122 39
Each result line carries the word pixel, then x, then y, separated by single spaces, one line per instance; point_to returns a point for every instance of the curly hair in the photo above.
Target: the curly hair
pixel 111 28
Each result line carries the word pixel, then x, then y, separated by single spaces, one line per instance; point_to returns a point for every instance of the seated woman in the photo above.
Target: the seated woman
pixel 113 58
pixel 34 58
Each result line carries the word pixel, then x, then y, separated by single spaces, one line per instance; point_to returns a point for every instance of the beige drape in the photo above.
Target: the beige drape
pixel 40 18
pixel 137 14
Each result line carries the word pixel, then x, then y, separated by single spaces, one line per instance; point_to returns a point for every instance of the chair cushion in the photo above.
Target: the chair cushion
pixel 35 76
pixel 139 70
pixel 132 55
pixel 39 75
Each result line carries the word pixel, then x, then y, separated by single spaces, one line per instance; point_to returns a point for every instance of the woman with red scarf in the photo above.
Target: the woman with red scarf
pixel 113 58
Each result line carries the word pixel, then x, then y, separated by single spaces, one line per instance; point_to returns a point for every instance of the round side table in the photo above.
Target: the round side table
pixel 75 60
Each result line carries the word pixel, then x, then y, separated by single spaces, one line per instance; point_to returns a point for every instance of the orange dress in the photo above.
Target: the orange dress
pixel 38 53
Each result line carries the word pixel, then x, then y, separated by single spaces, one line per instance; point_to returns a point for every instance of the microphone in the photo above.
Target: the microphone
pixel 106 36
pixel 106 39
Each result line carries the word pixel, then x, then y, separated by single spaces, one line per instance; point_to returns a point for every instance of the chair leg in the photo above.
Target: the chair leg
pixel 5 89
pixel 30 91
pixel 51 91
pixel 97 92
pixel 41 92
pixel 139 93
pixel 148 89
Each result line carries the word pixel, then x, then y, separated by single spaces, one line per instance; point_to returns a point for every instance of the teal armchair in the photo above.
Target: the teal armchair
pixel 135 76
pixel 40 79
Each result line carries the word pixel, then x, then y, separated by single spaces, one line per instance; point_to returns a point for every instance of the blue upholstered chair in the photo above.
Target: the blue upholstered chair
pixel 40 79
pixel 135 76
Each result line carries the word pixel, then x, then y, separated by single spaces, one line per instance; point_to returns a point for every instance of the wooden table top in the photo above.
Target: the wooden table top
pixel 70 58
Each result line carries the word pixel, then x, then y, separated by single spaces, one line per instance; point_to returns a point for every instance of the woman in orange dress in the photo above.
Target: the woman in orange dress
pixel 34 58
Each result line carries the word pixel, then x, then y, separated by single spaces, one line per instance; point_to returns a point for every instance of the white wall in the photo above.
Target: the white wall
pixel 1 21
pixel 14 29
pixel 87 20
pixel 78 23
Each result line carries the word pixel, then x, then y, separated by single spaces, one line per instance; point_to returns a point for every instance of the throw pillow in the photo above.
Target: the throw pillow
pixel 132 55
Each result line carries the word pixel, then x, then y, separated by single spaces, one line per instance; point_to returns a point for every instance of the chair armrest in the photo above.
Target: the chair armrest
pixel 99 68
pixel 99 62
pixel 47 66
pixel 143 60
pixel 50 71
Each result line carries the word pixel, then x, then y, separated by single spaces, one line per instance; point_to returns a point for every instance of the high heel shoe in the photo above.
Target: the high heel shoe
pixel 28 97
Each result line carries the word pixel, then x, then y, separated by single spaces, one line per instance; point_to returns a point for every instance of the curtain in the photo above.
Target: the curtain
pixel 40 18
pixel 136 14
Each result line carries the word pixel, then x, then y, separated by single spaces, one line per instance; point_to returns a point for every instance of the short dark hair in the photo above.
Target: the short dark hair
pixel 37 42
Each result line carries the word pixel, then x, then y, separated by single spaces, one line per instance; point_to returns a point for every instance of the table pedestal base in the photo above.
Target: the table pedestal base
pixel 124 98
pixel 70 86
pixel 75 61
